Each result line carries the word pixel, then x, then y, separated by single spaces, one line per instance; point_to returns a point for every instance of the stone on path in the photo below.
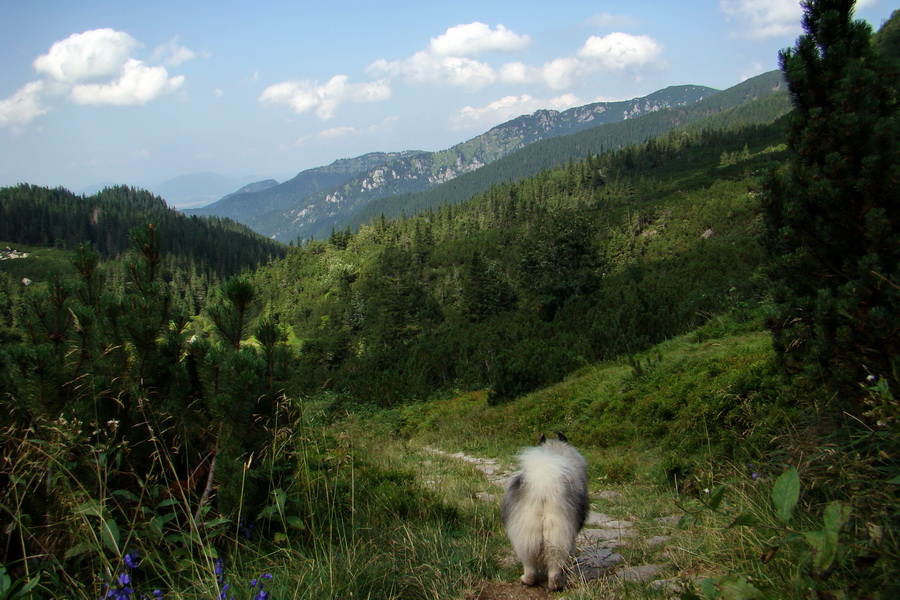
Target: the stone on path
pixel 658 540
pixel 639 574
pixel 591 563
pixel 669 521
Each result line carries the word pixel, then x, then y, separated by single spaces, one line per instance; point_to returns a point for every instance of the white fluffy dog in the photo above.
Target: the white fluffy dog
pixel 544 507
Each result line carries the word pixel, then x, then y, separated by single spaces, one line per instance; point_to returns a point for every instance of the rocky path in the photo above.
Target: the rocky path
pixel 599 547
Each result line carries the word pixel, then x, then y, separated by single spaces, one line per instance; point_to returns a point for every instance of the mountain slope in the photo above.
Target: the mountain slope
pixel 42 216
pixel 316 200
pixel 759 100
pixel 253 208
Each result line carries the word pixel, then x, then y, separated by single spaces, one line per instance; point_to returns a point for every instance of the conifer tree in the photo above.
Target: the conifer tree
pixel 831 211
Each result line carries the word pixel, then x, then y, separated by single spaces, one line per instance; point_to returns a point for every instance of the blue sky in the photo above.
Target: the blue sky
pixel 139 93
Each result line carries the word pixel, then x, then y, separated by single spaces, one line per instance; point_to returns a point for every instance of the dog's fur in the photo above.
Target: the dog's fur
pixel 544 507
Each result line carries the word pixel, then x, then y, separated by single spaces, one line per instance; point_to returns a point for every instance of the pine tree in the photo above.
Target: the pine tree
pixel 831 211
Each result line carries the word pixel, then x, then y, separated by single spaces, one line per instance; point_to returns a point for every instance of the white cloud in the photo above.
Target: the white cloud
pixel 219 93
pixel 476 38
pixel 448 58
pixel 562 73
pixel 507 108
pixel 516 72
pixel 137 84
pixel 759 19
pixel 497 111
pixel 171 54
pixel 94 67
pixel 324 99
pixel 621 51
pixel 616 52
pixel 87 56
pixel 565 102
pixel 23 106
pixel 427 68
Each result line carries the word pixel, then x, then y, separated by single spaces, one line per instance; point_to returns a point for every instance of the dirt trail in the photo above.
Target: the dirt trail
pixel 598 547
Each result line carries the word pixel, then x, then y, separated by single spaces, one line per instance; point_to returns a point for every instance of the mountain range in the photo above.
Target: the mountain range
pixel 319 200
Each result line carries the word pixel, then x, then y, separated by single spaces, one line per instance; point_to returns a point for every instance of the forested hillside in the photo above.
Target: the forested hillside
pixel 759 100
pixel 56 217
pixel 520 285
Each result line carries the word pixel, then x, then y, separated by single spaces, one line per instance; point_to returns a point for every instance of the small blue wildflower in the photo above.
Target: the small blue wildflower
pixel 755 476
pixel 132 560
pixel 247 528
pixel 124 579
pixel 220 566
pixel 258 585
pixel 223 595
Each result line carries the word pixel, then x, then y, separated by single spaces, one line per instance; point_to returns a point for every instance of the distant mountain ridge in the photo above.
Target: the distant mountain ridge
pixel 756 101
pixel 316 200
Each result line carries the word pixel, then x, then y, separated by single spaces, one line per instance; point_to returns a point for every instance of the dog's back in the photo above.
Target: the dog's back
pixel 544 507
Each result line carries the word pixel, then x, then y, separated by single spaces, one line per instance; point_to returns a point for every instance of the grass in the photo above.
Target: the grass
pixel 354 520
pixel 40 265
pixel 666 427
pixel 365 509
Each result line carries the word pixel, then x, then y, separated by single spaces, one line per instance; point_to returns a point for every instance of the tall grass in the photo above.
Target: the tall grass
pixel 703 416
pixel 350 518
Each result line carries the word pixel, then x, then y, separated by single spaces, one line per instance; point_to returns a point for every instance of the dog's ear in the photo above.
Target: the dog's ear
pixel 562 437
pixel 543 439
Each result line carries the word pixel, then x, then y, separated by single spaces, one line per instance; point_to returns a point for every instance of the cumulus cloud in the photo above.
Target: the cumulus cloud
pixel 621 51
pixel 87 56
pixel 136 84
pixel 509 107
pixel 613 53
pixel 448 58
pixel 324 99
pixel 23 106
pixel 562 73
pixel 476 38
pixel 94 67
pixel 516 72
pixel 427 68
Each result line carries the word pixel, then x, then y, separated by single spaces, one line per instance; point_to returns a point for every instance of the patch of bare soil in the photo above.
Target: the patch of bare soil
pixel 492 590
